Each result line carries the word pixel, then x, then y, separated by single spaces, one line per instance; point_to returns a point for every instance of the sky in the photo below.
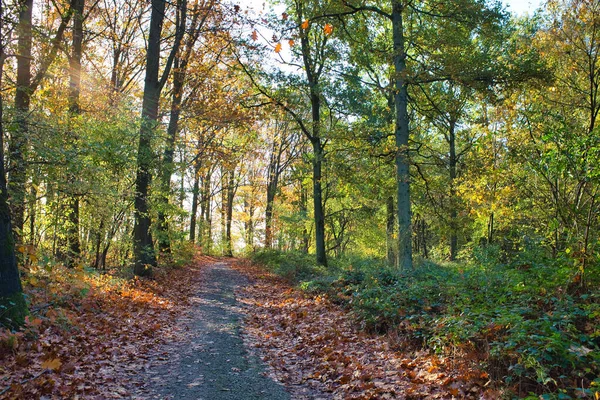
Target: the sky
pixel 519 7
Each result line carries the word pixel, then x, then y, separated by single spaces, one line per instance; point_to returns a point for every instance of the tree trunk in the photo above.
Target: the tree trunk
pixel 143 248
pixel 269 217
pixel 206 222
pixel 490 235
pixel 249 224
pixel 164 243
pixel 74 251
pixel 453 199
pixel 33 206
pixel 272 183
pixel 402 135
pixel 424 238
pixel 231 189
pixel 194 211
pixel 18 143
pixel 318 203
pixel 98 243
pixel 223 211
pixel 391 257
pixel 13 308
pixel 304 212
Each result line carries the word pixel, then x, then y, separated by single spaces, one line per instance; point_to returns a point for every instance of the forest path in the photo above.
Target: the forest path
pixel 210 361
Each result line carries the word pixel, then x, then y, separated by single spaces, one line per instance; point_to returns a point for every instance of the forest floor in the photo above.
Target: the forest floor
pixel 218 329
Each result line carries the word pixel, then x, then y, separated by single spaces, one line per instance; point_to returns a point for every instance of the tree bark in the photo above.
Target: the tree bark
pixel 313 71
pixel 205 212
pixel 13 308
pixel 304 212
pixel 194 211
pixel 164 243
pixel 391 257
pixel 453 212
pixel 249 224
pixel 402 135
pixel 231 189
pixel 17 146
pixel 318 203
pixel 74 251
pixel 143 248
pixel 269 217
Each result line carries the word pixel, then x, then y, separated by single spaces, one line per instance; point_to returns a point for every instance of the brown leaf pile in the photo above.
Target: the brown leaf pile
pixel 307 340
pixel 93 345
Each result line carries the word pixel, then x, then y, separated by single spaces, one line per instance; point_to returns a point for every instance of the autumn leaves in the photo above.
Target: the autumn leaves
pixel 304 26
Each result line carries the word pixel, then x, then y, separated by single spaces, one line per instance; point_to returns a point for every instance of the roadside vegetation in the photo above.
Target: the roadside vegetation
pixel 526 322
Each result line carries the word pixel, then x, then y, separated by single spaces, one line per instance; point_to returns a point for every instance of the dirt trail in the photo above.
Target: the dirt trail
pixel 210 362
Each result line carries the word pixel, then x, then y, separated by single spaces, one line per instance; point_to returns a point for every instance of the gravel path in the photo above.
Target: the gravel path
pixel 211 362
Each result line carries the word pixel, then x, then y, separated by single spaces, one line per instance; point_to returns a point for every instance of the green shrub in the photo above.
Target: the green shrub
pixel 526 317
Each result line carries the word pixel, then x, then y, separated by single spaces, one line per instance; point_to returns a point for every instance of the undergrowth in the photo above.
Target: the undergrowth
pixel 532 326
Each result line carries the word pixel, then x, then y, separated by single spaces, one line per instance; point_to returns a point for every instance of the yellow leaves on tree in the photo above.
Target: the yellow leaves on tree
pixel 328 29
pixel 278 48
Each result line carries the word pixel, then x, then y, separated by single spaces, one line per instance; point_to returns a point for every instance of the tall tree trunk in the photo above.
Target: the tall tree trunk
pixel 164 243
pixel 272 183
pixel 402 135
pixel 194 211
pixel 269 217
pixel 318 203
pixel 13 308
pixel 99 234
pixel 391 257
pixel 313 71
pixel 424 238
pixel 490 233
pixel 231 189
pixel 74 251
pixel 143 248
pixel 33 206
pixel 205 212
pixel 304 212
pixel 249 223
pixel 223 211
pixel 453 199
pixel 17 147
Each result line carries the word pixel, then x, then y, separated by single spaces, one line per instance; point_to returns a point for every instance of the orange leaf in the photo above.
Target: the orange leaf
pixel 33 322
pixel 304 25
pixel 328 29
pixel 277 47
pixel 284 16
pixel 291 42
pixel 254 35
pixel 53 364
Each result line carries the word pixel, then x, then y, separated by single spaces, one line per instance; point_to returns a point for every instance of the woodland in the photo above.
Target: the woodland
pixel 430 167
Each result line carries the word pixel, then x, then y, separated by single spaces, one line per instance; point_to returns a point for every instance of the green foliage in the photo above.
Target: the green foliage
pixel 13 310
pixel 528 325
pixel 182 253
pixel 294 266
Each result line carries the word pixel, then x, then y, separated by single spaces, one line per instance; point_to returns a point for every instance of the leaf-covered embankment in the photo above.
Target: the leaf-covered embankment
pixel 308 339
pixel 90 334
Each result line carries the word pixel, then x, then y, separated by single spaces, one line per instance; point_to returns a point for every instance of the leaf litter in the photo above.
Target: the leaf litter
pixel 308 340
pixel 94 340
